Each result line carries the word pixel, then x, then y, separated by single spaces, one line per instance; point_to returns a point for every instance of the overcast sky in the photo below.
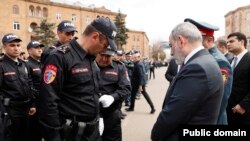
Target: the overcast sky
pixel 158 17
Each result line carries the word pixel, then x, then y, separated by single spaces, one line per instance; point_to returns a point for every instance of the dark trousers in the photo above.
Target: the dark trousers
pixel 133 96
pixel 16 123
pixel 112 126
pixel 145 94
pixel 35 129
pixel 152 72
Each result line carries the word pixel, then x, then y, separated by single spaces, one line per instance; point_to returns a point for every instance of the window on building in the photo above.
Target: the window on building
pixel 88 20
pixel 138 38
pixel 45 12
pixel 38 11
pixel 31 10
pixel 133 37
pixel 58 16
pixel 15 9
pixel 248 16
pixel 248 28
pixel 16 25
pixel 248 41
pixel 73 18
pixel 32 27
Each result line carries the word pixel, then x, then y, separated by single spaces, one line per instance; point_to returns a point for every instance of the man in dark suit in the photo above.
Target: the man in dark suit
pixel 238 109
pixel 172 70
pixel 222 46
pixel 195 95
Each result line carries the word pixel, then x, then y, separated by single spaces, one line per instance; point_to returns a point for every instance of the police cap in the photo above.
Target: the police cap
pixel 205 28
pixel 10 37
pixel 107 28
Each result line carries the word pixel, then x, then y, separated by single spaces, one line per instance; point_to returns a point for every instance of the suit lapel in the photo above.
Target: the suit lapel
pixel 243 59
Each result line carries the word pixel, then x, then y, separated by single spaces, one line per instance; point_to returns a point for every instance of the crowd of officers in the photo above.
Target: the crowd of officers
pixel 72 91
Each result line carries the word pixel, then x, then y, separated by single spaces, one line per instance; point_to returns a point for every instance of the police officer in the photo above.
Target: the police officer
pixel 207 32
pixel 35 50
pixel 114 87
pixel 15 87
pixel 69 94
pixel 65 32
pixel 130 67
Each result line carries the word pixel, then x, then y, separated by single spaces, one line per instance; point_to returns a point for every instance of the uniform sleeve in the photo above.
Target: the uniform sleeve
pixel 51 86
pixel 124 86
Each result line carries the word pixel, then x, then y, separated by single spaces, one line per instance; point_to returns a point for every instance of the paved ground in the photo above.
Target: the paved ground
pixel 138 124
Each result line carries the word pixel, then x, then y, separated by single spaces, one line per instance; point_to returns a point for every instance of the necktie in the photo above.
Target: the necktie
pixel 235 62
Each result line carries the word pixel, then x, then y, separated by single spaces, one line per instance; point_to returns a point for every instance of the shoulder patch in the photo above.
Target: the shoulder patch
pixel 225 75
pixel 49 74
pixel 64 48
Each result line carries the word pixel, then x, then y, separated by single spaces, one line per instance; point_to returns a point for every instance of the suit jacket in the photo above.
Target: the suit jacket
pixel 172 70
pixel 193 97
pixel 240 92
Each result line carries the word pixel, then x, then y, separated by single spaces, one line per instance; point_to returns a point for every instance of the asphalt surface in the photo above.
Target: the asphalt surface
pixel 138 124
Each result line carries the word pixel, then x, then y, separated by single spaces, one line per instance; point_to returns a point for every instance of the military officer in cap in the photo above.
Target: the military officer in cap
pixel 69 94
pixel 15 89
pixel 34 49
pixel 65 32
pixel 207 32
pixel 114 88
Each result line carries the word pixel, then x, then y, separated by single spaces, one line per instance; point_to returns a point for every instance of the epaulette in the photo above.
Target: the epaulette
pixel 64 48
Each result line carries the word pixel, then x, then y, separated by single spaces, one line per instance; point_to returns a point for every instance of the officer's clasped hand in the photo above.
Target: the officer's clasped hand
pixel 106 100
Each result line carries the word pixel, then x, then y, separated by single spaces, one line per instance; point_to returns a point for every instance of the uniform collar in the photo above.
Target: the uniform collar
pixel 9 60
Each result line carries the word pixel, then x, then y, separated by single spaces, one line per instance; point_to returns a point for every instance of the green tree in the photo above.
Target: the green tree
pixel 44 33
pixel 121 36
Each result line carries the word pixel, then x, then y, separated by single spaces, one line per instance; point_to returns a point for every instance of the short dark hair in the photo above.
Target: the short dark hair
pixel 221 42
pixel 240 36
pixel 89 29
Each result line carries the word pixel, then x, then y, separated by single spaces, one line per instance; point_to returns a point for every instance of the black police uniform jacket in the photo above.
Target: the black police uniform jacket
pixel 35 72
pixel 15 81
pixel 69 88
pixel 114 81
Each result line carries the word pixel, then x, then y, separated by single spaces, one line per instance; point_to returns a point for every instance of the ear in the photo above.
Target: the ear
pixel 182 40
pixel 95 35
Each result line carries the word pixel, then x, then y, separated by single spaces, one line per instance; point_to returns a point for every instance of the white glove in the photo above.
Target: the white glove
pixel 101 126
pixel 106 100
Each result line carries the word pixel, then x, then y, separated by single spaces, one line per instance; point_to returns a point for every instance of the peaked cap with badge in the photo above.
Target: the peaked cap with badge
pixel 206 29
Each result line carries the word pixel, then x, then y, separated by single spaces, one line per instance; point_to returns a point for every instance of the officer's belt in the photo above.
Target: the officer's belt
pixel 18 102
pixel 81 119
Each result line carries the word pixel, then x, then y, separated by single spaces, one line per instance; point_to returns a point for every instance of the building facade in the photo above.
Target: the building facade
pixel 22 16
pixel 238 20
pixel 137 40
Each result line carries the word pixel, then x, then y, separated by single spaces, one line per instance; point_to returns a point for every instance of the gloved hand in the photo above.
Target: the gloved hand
pixel 106 100
pixel 101 126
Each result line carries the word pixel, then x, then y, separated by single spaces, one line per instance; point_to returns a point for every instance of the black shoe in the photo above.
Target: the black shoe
pixel 152 111
pixel 129 110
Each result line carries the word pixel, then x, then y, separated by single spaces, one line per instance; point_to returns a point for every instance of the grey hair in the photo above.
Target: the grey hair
pixel 187 30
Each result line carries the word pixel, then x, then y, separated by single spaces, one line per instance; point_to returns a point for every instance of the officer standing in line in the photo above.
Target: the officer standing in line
pixel 130 67
pixel 69 94
pixel 65 32
pixel 114 86
pixel 207 32
pixel 35 50
pixel 15 88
